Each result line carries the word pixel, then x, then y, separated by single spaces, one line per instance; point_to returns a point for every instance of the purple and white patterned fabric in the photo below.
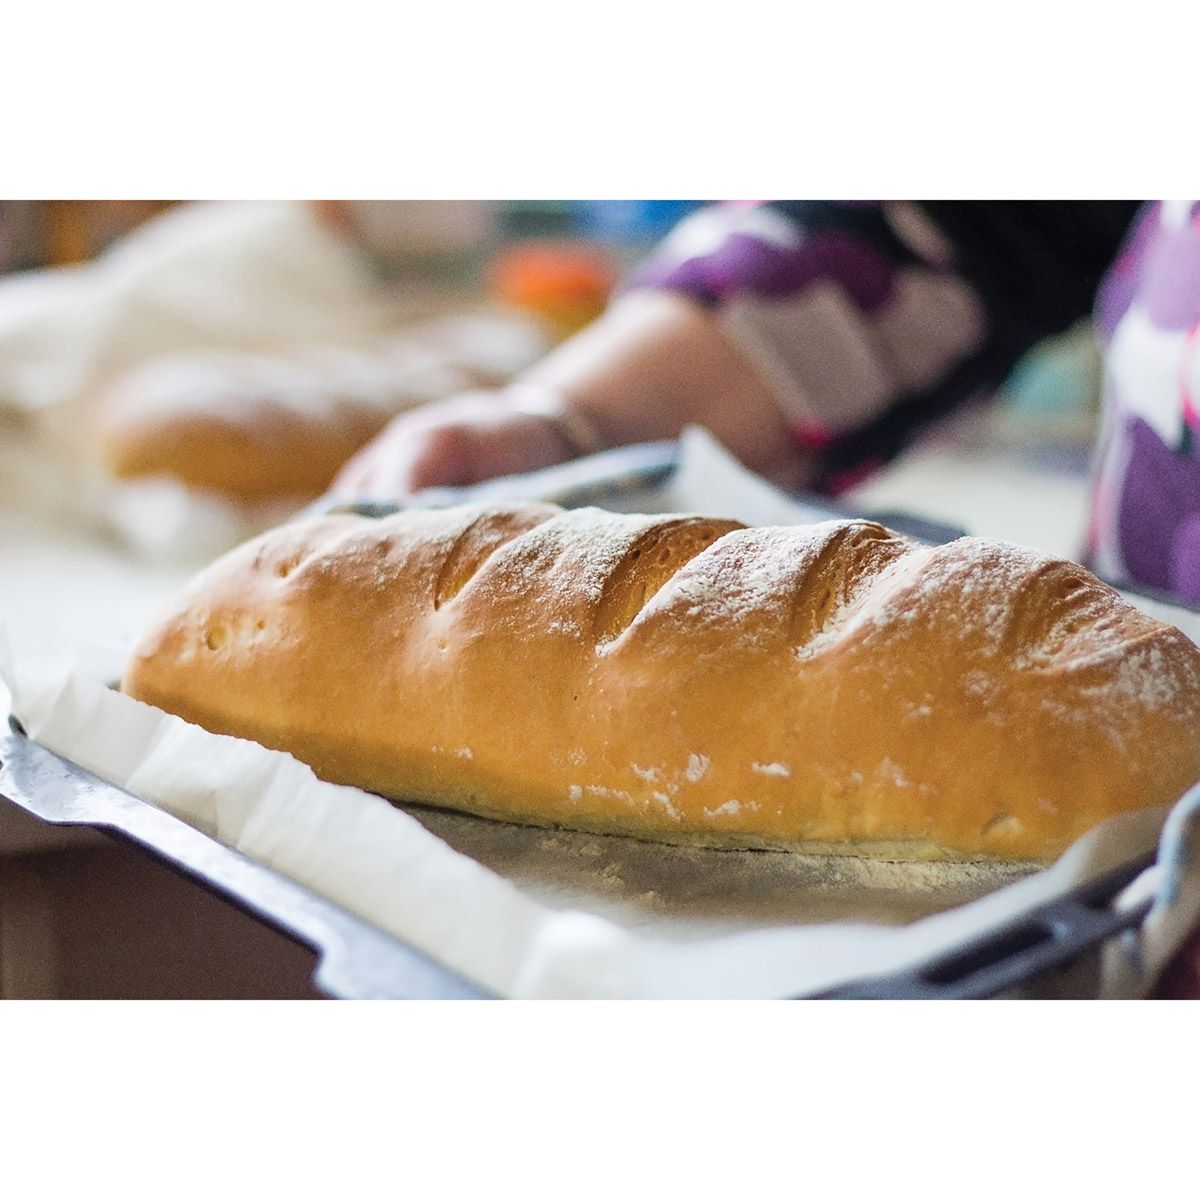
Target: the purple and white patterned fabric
pixel 1145 524
pixel 868 321
pixel 841 313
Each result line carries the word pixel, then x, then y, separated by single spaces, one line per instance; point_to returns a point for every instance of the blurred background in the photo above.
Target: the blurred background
pixel 450 237
pixel 175 376
pixel 56 233
pixel 558 261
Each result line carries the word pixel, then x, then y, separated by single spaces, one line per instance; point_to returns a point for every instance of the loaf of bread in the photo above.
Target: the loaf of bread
pixel 247 427
pixel 831 688
pixel 252 427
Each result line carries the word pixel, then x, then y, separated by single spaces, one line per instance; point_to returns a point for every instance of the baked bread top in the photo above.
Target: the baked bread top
pixel 835 687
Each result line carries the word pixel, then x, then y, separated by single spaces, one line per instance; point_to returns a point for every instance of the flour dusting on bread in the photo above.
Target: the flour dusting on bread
pixel 834 688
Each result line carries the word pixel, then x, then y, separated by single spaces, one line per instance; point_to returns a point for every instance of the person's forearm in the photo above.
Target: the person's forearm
pixel 656 362
pixel 870 321
pixel 814 340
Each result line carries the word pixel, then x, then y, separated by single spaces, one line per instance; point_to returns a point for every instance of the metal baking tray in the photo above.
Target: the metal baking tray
pixel 357 960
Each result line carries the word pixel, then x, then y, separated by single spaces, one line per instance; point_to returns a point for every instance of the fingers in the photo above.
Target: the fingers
pixel 424 448
pixel 454 443
pixel 445 456
pixel 381 469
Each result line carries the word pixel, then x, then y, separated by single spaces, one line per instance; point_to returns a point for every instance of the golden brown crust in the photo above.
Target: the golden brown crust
pixel 679 678
pixel 250 429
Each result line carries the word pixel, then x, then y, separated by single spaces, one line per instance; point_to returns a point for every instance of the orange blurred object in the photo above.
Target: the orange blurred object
pixel 59 233
pixel 73 231
pixel 567 283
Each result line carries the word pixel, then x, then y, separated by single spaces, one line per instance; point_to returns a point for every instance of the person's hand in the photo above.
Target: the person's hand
pixel 455 442
pixel 653 364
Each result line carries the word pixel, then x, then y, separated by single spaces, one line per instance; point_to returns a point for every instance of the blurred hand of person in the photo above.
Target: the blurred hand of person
pixel 651 365
pixel 458 441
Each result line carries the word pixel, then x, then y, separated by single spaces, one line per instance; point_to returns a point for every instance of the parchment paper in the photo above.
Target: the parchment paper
pixel 537 913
